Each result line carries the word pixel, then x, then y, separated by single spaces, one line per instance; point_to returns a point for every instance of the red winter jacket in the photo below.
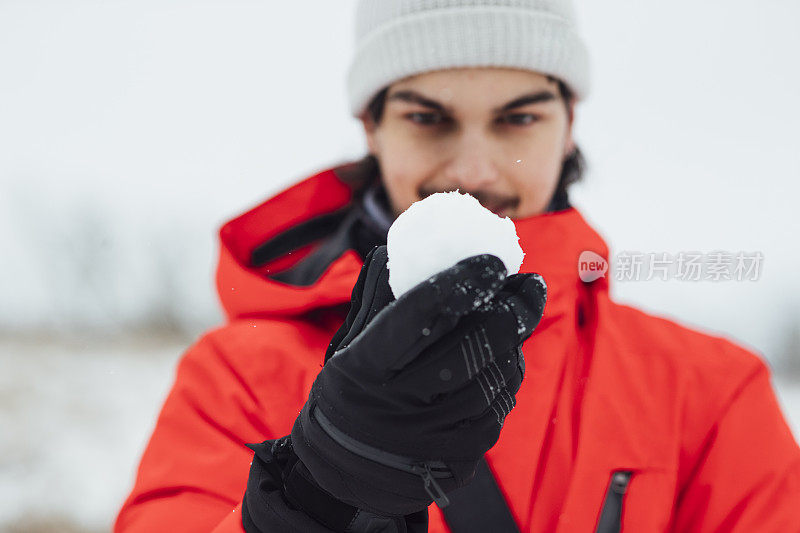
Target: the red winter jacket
pixel 607 388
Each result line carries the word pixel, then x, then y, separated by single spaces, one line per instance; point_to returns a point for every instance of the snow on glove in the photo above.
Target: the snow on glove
pixel 414 391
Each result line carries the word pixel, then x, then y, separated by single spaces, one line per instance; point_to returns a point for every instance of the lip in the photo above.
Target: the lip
pixel 498 209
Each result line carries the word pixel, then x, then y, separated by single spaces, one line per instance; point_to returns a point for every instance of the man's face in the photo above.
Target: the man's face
pixel 498 134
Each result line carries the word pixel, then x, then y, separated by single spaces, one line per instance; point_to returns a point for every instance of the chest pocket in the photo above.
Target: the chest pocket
pixel 611 515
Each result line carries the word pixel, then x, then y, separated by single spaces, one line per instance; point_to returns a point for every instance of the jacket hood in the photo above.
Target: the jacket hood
pixel 277 234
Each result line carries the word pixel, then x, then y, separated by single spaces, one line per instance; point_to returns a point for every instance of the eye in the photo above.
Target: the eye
pixel 426 119
pixel 519 119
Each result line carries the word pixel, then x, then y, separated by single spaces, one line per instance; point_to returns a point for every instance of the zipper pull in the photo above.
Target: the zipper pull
pixel 438 496
pixel 620 480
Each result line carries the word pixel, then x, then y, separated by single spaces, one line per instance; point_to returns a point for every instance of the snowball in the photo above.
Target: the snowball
pixel 440 230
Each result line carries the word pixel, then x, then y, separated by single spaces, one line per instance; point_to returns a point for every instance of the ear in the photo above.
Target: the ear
pixel 370 129
pixel 569 143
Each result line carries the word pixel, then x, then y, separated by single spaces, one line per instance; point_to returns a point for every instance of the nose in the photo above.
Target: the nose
pixel 471 166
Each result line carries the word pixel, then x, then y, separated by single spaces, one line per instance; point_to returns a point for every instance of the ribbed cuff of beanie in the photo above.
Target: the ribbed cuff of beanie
pixel 480 36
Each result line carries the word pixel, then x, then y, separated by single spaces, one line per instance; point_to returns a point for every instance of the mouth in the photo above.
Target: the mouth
pixel 500 208
pixel 496 206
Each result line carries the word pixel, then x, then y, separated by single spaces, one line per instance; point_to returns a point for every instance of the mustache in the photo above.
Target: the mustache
pixel 484 197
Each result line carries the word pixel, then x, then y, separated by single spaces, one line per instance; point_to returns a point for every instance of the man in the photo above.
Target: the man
pixel 622 420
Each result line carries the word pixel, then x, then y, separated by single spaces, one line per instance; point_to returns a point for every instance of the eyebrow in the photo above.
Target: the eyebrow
pixel 414 97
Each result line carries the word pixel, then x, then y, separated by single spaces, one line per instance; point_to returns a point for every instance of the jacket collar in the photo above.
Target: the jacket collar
pixel 552 243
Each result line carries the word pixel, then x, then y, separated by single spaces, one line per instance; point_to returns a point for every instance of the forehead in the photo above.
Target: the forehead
pixel 474 85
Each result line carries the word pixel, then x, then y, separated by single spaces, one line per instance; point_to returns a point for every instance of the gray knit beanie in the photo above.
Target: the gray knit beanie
pixel 400 38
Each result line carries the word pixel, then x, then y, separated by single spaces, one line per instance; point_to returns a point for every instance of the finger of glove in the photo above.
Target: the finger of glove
pixel 479 433
pixel 355 305
pixel 522 300
pixel 499 326
pixel 381 294
pixel 480 339
pixel 473 416
pixel 488 395
pixel 493 390
pixel 370 295
pixel 485 348
pixel 404 328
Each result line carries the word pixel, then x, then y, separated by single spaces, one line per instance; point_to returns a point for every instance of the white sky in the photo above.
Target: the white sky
pixel 129 131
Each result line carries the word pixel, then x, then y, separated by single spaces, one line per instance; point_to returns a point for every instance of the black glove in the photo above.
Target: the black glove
pixel 414 391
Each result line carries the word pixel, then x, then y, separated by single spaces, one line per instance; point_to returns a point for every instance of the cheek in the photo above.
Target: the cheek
pixel 400 174
pixel 539 164
pixel 404 167
pixel 536 175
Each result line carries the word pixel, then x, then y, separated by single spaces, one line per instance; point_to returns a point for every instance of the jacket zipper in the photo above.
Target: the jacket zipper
pixel 427 470
pixel 611 515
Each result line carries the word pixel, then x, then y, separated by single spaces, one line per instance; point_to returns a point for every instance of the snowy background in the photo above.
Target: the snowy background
pixel 129 131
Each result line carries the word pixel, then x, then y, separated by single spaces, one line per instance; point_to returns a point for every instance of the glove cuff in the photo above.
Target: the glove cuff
pixel 282 492
pixel 303 493
pixel 352 478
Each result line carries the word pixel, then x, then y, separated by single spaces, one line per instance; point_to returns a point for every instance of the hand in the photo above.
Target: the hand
pixel 415 390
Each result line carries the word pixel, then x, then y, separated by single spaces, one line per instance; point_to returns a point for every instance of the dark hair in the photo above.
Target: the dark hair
pixel 572 169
